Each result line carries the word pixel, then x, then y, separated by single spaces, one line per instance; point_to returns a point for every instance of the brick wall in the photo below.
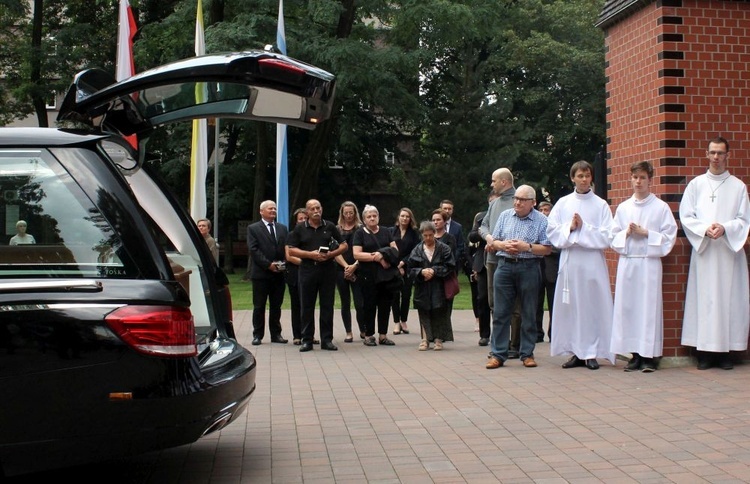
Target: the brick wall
pixel 678 74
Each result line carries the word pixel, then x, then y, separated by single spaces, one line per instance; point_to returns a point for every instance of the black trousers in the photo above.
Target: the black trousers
pixel 377 300
pixel 483 305
pixel 349 291
pixel 296 316
pixel 402 301
pixel 269 291
pixel 317 282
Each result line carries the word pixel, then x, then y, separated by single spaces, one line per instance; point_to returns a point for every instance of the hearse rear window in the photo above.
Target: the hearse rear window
pixel 48 227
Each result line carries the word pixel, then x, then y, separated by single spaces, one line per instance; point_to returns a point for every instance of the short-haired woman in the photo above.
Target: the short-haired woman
pixel 429 264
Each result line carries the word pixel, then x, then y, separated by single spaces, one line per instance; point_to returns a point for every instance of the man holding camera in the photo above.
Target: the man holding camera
pixel 266 240
pixel 317 242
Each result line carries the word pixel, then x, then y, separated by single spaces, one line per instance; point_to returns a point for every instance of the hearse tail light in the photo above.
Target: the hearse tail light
pixel 155 330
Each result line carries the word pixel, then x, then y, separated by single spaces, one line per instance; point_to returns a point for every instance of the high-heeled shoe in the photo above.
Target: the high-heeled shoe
pixel 397 328
pixel 404 329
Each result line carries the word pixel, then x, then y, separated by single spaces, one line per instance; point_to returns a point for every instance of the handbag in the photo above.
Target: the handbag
pixel 391 278
pixel 451 286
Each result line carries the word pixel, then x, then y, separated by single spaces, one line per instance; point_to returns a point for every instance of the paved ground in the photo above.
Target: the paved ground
pixel 393 414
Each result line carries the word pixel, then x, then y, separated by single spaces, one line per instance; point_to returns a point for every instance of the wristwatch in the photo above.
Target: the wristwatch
pixel 530 251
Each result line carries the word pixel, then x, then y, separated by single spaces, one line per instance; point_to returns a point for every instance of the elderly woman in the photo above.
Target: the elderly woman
pixel 406 236
pixel 429 264
pixel 21 236
pixel 377 254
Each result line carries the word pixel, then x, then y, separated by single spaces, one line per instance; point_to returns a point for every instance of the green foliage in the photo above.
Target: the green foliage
pixel 514 84
pixel 455 88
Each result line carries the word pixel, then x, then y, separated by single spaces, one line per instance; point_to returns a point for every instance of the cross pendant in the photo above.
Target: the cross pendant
pixel 713 197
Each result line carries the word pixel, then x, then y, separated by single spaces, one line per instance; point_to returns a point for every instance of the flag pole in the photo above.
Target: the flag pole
pixel 216 182
pixel 199 152
pixel 282 172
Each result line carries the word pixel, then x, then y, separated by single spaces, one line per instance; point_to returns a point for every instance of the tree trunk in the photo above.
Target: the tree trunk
pixel 35 76
pixel 305 183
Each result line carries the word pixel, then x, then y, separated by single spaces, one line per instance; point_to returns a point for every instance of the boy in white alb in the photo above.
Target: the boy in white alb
pixel 644 232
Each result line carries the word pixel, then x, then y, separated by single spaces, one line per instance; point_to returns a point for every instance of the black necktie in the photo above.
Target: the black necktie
pixel 273 233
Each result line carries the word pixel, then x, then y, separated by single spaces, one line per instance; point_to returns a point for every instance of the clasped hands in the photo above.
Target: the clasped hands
pixel 714 231
pixel 635 229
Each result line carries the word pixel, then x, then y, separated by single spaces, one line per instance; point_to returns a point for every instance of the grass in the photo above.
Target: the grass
pixel 242 294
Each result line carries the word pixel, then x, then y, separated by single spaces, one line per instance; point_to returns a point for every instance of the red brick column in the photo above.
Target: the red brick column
pixel 678 74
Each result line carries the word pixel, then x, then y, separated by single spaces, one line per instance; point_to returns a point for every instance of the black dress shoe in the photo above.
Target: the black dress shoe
pixel 484 341
pixel 725 362
pixel 648 365
pixel 704 363
pixel 305 347
pixel 279 339
pixel 573 362
pixel 327 345
pixel 635 363
pixel 256 341
pixel 592 364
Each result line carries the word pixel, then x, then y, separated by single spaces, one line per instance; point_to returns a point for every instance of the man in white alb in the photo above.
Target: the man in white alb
pixel 644 232
pixel 580 225
pixel 715 216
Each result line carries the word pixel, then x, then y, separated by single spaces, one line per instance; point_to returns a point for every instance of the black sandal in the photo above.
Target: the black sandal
pixel 386 342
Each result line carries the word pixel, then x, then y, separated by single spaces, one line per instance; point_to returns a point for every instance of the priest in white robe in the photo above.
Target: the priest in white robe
pixel 645 231
pixel 580 225
pixel 715 216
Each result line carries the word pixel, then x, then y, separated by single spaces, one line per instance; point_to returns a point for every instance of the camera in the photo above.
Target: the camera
pixel 323 249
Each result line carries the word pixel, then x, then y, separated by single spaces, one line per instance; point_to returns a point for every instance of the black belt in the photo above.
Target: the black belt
pixel 515 260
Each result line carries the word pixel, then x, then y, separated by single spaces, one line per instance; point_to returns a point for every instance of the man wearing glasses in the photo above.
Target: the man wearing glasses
pixel 715 216
pixel 520 241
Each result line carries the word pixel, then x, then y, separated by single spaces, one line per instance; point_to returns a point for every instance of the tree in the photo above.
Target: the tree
pixel 514 84
pixel 454 88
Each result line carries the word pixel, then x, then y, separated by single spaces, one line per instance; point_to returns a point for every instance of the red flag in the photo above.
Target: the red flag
pixel 126 29
pixel 125 67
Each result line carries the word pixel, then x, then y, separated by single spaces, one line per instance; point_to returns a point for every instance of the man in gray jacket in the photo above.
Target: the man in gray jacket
pixel 502 185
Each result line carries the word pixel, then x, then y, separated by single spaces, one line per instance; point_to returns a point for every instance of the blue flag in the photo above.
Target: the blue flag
pixel 282 172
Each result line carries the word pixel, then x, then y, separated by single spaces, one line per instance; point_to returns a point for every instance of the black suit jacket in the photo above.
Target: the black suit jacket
pixel 477 254
pixel 263 250
pixel 462 261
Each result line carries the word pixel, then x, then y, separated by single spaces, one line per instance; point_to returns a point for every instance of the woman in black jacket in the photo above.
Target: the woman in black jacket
pixel 429 264
pixel 406 236
pixel 377 292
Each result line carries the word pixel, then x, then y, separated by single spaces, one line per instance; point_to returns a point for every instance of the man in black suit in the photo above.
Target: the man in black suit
pixel 479 276
pixel 454 228
pixel 266 241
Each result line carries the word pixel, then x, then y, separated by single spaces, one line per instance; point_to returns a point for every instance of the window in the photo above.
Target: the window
pixel 51 229
pixel 51 101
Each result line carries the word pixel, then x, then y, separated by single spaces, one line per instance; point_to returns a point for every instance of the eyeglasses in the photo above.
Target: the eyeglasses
pixel 519 199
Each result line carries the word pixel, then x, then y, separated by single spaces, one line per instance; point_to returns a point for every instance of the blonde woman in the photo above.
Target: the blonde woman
pixel 346 275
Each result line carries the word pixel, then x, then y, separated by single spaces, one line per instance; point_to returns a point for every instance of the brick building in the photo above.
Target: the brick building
pixel 678 74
